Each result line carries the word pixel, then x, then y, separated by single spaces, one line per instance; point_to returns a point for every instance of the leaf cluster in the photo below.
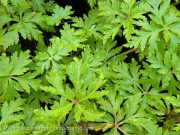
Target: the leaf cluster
pixel 84 78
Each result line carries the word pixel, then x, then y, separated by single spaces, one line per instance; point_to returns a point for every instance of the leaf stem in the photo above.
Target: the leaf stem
pixel 122 131
pixel 124 53
pixel 129 51
pixel 88 124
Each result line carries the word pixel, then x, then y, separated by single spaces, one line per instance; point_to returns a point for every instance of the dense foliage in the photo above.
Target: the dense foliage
pixel 81 79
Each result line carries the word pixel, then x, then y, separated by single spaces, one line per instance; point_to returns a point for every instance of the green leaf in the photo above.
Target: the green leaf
pixel 71 38
pixel 5 18
pixel 113 131
pixel 10 41
pixel 38 19
pixel 90 59
pixel 50 58
pixel 152 100
pixel 89 114
pixel 29 116
pixel 59 14
pixel 78 112
pixel 13 72
pixel 38 5
pixel 4 2
pixel 152 128
pixel 132 101
pixel 19 63
pixel 167 66
pixel 92 115
pixel 9 111
pixel 123 14
pixel 164 23
pixel 55 115
pixel 92 2
pixel 97 94
pixel 16 65
pixel 19 2
pixel 112 105
pixel 9 92
pixel 35 98
pixel 27 81
pixel 175 101
pixel 56 78
pixel 89 24
pixel 85 83
pixel 79 75
pixel 28 30
pixel 127 74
